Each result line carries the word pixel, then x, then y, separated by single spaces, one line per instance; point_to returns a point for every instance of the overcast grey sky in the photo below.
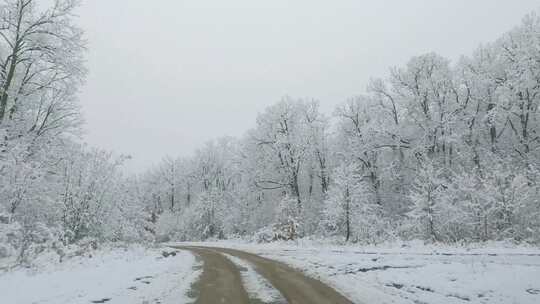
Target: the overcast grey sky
pixel 168 75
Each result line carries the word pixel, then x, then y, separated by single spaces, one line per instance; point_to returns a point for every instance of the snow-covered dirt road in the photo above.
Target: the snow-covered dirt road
pixel 221 281
pixel 280 273
pixel 414 273
pixel 184 275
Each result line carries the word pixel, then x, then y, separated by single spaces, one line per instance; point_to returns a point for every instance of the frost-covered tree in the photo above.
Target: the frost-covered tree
pixel 426 198
pixel 88 181
pixel 280 139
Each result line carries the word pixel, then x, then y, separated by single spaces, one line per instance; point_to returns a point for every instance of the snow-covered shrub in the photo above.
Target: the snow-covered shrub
pixel 288 225
pixel 168 227
pixel 350 210
pixel 35 239
pixel 427 204
pixel 264 235
pixel 10 234
pixel 209 215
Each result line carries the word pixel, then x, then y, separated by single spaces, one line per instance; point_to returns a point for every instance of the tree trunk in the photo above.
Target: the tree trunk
pixel 347 215
pixel 12 66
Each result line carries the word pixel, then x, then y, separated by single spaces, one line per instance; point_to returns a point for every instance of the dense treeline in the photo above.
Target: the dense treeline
pixel 438 151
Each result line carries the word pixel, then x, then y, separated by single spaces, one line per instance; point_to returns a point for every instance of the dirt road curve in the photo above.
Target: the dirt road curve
pixel 221 282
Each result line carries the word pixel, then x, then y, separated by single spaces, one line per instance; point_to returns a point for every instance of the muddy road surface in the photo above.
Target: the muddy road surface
pixel 221 282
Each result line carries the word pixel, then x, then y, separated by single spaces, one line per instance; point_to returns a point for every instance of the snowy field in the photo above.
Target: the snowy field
pixel 120 276
pixel 415 273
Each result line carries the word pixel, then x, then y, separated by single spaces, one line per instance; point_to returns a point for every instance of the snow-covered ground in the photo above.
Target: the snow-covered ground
pixel 415 273
pixel 397 273
pixel 120 276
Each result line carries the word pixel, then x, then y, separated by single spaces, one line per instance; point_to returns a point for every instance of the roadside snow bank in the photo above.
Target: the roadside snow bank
pixel 129 275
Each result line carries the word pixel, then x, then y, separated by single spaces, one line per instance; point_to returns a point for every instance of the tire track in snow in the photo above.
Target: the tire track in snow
pixel 221 276
pixel 257 287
